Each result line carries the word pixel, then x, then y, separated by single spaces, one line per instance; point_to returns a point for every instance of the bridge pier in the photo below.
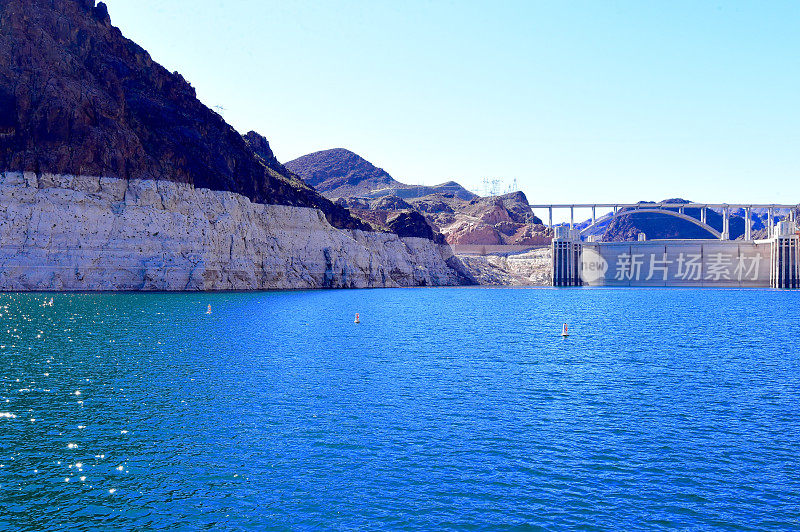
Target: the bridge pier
pixel 748 225
pixel 784 271
pixel 566 257
pixel 726 223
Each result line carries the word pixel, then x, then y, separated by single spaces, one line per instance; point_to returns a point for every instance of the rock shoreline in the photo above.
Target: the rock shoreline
pixel 530 268
pixel 86 233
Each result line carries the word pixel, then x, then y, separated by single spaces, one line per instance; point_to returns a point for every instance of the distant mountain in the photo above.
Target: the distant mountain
pixel 340 173
pixel 462 216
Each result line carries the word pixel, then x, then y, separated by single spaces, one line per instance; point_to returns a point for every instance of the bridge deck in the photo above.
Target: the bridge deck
pixel 668 205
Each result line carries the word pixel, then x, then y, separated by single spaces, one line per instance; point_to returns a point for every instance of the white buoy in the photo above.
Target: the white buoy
pixel 209 309
pixel 564 332
pixel 357 320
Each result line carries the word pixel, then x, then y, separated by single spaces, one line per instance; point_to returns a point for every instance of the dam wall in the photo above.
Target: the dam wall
pixel 689 263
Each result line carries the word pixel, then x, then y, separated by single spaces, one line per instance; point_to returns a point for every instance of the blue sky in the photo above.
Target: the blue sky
pixel 578 101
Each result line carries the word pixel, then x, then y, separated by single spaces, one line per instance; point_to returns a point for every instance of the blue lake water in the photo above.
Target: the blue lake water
pixel 444 409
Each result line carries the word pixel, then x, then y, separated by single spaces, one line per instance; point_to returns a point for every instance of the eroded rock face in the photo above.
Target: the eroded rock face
pixel 260 147
pixel 496 220
pixel 390 203
pixel 433 206
pixel 410 223
pixel 66 232
pixel 533 268
pixel 77 97
pixel 495 215
pixel 353 203
pixel 470 232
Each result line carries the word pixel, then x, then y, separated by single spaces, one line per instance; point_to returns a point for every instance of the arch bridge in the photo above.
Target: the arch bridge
pixel 677 210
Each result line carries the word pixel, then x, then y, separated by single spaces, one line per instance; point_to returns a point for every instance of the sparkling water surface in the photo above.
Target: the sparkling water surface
pixel 444 409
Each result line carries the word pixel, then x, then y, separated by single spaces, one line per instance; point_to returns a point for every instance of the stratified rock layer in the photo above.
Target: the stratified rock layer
pixel 532 268
pixel 65 232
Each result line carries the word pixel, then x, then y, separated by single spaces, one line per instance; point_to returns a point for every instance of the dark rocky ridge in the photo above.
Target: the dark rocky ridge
pixel 412 223
pixel 405 222
pixel 77 97
pixel 338 168
pixel 340 173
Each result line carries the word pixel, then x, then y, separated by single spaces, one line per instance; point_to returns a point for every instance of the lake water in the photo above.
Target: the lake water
pixel 443 409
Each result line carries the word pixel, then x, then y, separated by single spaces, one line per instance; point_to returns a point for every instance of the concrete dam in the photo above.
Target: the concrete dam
pixel 773 261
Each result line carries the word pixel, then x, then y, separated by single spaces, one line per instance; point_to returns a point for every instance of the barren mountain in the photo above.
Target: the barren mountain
pixel 340 173
pixel 461 216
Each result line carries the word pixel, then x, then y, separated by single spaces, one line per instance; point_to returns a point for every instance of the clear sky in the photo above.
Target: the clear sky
pixel 579 101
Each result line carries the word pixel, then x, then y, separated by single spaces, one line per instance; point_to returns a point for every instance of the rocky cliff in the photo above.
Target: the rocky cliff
pixel 77 97
pixel 115 176
pixel 66 232
pixel 494 220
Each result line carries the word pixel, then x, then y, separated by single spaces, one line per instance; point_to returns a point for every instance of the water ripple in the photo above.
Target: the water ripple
pixel 458 409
